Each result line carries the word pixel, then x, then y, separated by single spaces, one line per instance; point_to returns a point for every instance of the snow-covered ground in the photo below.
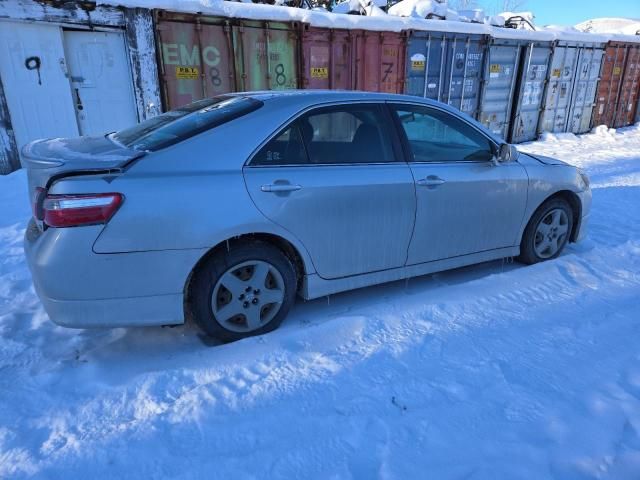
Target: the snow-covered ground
pixel 497 371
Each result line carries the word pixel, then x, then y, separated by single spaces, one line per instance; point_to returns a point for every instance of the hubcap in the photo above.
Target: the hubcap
pixel 551 233
pixel 248 296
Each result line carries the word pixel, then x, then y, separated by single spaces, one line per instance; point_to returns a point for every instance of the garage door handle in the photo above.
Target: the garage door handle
pixel 280 187
pixel 430 181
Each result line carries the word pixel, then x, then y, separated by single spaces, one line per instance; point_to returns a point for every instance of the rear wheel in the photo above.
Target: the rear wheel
pixel 547 233
pixel 243 292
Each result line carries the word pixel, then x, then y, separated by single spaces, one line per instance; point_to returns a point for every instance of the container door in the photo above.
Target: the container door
pixel 465 203
pixel 584 89
pixel 609 86
pixel 557 96
pixel 463 70
pixel 326 59
pixel 532 76
pixel 34 75
pixel 425 65
pixel 102 86
pixel 265 56
pixel 380 62
pixel 626 107
pixel 196 59
pixel 333 181
pixel 500 78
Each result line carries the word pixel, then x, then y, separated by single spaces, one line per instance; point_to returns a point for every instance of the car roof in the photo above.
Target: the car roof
pixel 331 95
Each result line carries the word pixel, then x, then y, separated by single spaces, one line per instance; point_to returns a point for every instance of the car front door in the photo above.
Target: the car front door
pixel 335 178
pixel 466 202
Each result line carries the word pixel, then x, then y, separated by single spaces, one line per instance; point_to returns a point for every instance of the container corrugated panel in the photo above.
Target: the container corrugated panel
pixel 571 87
pixel 628 98
pixel 327 58
pixel 532 76
pixel 499 82
pixel 380 61
pixel 613 63
pixel 202 56
pixel 446 67
pixel 585 87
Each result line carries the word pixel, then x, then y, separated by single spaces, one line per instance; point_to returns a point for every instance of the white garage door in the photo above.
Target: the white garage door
pixel 101 81
pixel 39 99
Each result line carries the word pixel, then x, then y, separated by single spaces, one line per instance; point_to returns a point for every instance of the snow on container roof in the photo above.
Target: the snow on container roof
pixel 255 11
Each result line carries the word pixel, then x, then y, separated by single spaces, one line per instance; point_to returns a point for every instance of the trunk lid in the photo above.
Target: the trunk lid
pixel 45 159
pixel 48 160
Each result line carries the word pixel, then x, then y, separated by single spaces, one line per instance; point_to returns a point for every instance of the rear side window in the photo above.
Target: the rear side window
pixel 177 125
pixel 345 134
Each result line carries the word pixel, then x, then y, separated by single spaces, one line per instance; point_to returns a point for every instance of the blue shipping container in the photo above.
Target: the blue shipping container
pixel 446 67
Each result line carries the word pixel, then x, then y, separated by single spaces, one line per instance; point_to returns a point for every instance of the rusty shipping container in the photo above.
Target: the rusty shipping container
pixel 571 87
pixel 446 67
pixel 327 58
pixel 201 56
pixel 618 89
pixel 628 100
pixel 380 60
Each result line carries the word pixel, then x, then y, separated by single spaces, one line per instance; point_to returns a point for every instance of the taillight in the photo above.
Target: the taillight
pixel 75 210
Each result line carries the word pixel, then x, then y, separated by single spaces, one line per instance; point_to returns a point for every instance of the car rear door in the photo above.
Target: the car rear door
pixel 335 178
pixel 466 202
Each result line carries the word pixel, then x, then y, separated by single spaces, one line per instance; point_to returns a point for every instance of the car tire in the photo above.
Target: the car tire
pixel 230 296
pixel 547 232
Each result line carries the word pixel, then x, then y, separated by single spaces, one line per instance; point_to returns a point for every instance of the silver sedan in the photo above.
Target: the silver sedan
pixel 226 209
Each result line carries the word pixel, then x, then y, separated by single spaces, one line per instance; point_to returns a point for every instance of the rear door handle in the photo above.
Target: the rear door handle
pixel 430 181
pixel 280 187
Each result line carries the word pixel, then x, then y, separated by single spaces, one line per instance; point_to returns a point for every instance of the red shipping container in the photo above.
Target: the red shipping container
pixel 380 61
pixel 618 88
pixel 327 60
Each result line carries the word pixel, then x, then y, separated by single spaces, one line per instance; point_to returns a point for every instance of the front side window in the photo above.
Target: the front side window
pixel 345 134
pixel 436 136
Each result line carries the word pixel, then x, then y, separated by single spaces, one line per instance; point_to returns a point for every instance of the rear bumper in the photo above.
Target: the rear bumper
pixel 79 288
pixel 115 312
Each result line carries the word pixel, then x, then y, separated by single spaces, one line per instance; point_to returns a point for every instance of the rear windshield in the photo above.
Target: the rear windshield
pixel 177 125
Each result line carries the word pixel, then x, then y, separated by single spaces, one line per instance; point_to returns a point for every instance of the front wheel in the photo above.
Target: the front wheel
pixel 243 292
pixel 547 233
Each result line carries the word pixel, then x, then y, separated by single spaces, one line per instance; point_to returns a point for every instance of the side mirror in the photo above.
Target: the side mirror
pixel 506 153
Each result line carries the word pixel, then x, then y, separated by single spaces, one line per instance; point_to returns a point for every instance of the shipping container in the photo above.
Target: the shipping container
pixel 571 87
pixel 628 99
pixel 446 67
pixel 202 56
pixel 531 80
pixel 327 58
pixel 615 103
pixel 380 58
pixel 499 84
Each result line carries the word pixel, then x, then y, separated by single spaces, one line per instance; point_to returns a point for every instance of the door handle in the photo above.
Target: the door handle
pixel 430 181
pixel 280 187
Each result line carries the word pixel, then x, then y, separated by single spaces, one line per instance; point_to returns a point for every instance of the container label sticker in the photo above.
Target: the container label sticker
pixel 617 70
pixel 418 65
pixel 319 72
pixel 187 73
pixel 494 70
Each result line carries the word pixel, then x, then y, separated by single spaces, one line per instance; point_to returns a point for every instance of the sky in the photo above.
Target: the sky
pixel 571 12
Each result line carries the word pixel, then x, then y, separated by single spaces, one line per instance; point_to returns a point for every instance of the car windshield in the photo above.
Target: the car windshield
pixel 177 125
